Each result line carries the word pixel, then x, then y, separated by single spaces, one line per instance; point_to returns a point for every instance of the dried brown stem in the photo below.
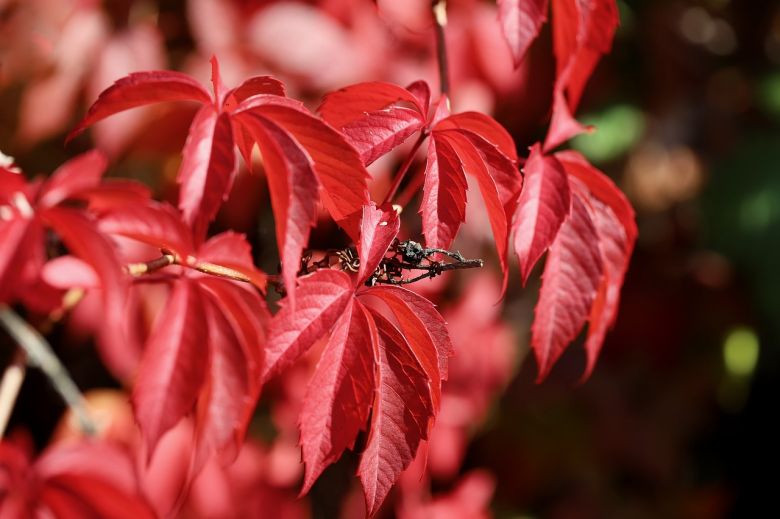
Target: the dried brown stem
pixel 440 17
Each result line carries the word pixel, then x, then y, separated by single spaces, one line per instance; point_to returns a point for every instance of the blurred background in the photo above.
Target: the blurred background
pixel 676 418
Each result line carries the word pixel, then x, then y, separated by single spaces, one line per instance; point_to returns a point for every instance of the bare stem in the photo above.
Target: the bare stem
pixel 10 386
pixel 149 267
pixel 146 267
pixel 399 177
pixel 440 17
pixel 40 354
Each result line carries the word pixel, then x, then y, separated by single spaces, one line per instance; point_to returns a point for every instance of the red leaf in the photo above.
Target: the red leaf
pixel 294 190
pixel 414 331
pixel 369 115
pixel 443 206
pixel 78 174
pixel 174 364
pixel 113 193
pixel 248 315
pixel 498 178
pixel 541 209
pixel 320 299
pixel 339 394
pixel 569 285
pixel 613 218
pixel 349 104
pixel 253 86
pixel 69 271
pixel 207 168
pixel 10 182
pixel 425 312
pixel 582 31
pixel 378 229
pixel 91 477
pixel 521 21
pixel 82 237
pixel 142 88
pixel 485 127
pixel 18 236
pixel 227 396
pixel 338 167
pixel 401 412
pixel 155 224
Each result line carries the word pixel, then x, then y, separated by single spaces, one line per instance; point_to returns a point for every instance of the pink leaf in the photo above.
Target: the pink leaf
pixel 142 88
pixel 569 285
pixel 68 272
pixel 339 395
pixel 541 209
pixel 156 224
pixel 78 174
pixel 174 364
pixel 207 168
pixel 401 413
pixel 378 229
pixel 320 299
pixel 521 21
pixel 84 240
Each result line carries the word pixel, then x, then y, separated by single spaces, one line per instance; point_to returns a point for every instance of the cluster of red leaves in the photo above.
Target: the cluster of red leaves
pixel 82 479
pixel 214 343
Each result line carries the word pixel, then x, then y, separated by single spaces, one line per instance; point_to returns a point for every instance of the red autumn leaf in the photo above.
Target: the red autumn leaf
pixel 379 229
pixel 521 21
pixel 569 285
pixel 613 217
pixel 180 368
pixel 376 117
pixel 73 480
pixel 401 415
pixel 226 395
pixel 32 208
pixel 470 143
pixel 174 364
pixel 300 152
pixel 387 347
pixel 76 175
pixel 541 209
pixel 443 206
pixel 207 169
pixel 321 299
pixel 338 398
pixel 582 33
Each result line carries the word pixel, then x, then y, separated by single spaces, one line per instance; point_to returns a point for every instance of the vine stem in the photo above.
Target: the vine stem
pixel 13 376
pixel 440 17
pixel 399 177
pixel 39 354
pixel 149 267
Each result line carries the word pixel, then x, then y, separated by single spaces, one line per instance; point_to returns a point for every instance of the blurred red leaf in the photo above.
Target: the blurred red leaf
pixel 521 21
